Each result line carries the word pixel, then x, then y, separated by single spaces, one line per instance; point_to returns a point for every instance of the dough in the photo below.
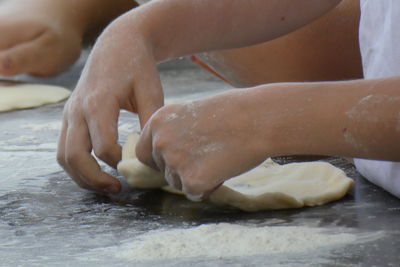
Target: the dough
pixel 268 186
pixel 20 96
pixel 274 186
pixel 136 173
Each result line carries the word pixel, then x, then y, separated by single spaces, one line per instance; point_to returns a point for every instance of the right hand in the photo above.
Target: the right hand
pixel 120 74
pixel 200 144
pixel 37 38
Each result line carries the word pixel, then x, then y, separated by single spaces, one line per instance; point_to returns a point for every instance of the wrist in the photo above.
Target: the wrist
pixel 131 31
pixel 290 119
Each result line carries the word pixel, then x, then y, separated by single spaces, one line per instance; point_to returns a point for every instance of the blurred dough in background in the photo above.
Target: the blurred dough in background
pixel 21 96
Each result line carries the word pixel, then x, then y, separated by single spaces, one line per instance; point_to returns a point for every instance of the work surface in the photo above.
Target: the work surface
pixel 46 220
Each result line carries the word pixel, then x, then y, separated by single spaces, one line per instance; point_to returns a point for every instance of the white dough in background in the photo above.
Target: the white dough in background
pixel 21 96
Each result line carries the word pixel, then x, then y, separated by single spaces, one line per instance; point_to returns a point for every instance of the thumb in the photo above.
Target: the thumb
pixel 149 95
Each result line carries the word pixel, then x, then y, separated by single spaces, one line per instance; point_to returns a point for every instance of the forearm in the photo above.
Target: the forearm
pixel 174 28
pixel 354 119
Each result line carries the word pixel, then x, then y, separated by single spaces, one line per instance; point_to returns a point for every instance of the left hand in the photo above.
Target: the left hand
pixel 118 75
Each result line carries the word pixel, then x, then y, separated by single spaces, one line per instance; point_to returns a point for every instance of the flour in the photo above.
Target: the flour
pixel 227 240
pixel 38 147
pixel 351 140
pixel 366 107
pixel 171 117
pixel 36 127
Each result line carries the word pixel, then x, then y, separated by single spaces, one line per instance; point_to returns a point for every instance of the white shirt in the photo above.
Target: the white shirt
pixel 380 50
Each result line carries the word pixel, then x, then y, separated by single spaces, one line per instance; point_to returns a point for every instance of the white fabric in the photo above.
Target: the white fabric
pixel 380 50
pixel 380 37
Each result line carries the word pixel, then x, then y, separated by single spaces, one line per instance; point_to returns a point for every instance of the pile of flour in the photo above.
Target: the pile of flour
pixel 226 240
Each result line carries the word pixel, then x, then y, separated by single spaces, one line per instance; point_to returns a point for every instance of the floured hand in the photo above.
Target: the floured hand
pixel 200 144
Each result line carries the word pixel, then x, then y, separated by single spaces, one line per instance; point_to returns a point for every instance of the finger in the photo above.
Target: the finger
pixel 30 57
pixel 144 147
pixel 197 195
pixel 61 156
pixel 172 179
pixel 21 58
pixel 103 129
pixel 80 160
pixel 195 185
pixel 149 96
pixel 16 32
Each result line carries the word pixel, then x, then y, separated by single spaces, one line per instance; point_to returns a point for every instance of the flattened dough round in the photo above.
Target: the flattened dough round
pixel 274 186
pixel 22 96
pixel 268 186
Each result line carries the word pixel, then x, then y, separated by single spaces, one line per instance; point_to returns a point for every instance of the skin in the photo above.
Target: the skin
pixel 200 147
pixel 46 36
pixel 161 30
pixel 280 119
pixel 307 54
pixel 33 44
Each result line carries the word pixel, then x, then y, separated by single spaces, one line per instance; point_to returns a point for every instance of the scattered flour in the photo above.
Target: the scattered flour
pixel 227 240
pixel 54 125
pixel 38 147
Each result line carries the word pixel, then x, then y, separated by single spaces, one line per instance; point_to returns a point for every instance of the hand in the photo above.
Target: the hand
pixel 120 74
pixel 199 145
pixel 37 38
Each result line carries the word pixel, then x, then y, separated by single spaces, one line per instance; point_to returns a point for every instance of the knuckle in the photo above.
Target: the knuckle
pixel 164 114
pixel 91 103
pixel 173 160
pixel 103 152
pixel 159 143
pixel 156 119
pixel 173 108
pixel 60 158
pixel 68 104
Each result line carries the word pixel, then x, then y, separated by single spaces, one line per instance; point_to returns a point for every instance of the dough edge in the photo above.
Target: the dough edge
pixel 225 195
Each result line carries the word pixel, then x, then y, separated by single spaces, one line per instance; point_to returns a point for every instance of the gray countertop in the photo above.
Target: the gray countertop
pixel 46 220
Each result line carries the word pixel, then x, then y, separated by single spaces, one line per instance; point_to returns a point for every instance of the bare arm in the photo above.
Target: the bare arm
pixel 354 118
pixel 214 139
pixel 121 72
pixel 174 27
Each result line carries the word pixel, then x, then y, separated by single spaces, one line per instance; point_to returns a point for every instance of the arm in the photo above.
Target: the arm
pixel 174 28
pixel 131 47
pixel 214 139
pixel 43 37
